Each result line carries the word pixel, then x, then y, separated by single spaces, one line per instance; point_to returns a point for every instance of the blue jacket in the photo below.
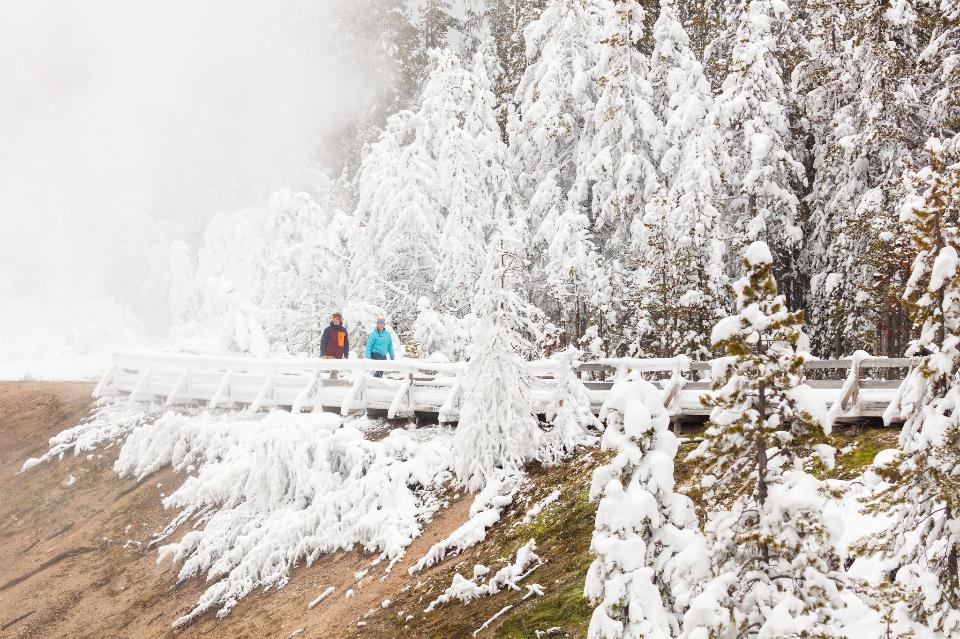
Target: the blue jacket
pixel 380 342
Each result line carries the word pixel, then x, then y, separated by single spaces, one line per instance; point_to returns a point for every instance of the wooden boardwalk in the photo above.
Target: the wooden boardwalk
pixel 411 386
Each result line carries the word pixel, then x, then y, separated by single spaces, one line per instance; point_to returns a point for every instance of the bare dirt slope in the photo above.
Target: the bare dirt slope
pixel 74 561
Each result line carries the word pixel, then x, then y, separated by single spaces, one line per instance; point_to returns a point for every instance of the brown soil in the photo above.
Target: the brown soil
pixel 74 562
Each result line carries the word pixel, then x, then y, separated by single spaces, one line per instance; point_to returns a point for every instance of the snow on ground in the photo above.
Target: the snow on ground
pixel 508 577
pixel 485 511
pixel 860 619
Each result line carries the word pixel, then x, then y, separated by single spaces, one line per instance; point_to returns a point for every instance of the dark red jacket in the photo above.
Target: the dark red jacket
pixel 335 342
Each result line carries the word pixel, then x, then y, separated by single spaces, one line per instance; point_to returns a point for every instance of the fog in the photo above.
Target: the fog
pixel 115 115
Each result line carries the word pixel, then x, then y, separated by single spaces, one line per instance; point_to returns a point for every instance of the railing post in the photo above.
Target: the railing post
pixel 357 393
pixel 141 392
pixel 266 391
pixel 105 385
pixel 179 388
pixel 223 391
pixel 451 403
pixel 396 406
pixel 308 393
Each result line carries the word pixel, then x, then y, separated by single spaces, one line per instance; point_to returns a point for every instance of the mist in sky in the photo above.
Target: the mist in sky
pixel 117 115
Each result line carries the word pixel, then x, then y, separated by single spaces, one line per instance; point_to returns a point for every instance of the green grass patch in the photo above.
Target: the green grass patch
pixel 868 443
pixel 563 606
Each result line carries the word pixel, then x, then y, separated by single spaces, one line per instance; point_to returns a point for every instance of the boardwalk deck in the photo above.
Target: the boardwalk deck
pixel 418 386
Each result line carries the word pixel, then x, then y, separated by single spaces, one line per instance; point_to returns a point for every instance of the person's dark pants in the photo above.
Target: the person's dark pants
pixel 379 356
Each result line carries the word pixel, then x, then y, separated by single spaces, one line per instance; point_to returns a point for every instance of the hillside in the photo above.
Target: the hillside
pixel 73 549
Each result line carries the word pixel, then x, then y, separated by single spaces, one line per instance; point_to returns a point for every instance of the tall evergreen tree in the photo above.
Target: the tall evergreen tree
pixel 497 428
pixel 470 167
pixel 775 572
pixel 436 21
pixel 683 293
pixel 860 258
pixel 759 169
pixel 617 181
pixel 507 20
pixel 383 45
pixel 544 131
pixel 923 499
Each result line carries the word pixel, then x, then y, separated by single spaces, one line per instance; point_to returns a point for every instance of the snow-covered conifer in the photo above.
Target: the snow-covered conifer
pixel 470 171
pixel 859 257
pixel 507 20
pixel 775 572
pixel 618 182
pixel 923 499
pixel 571 266
pixel 437 19
pixel 682 291
pixel 552 96
pixel 751 111
pixel 497 426
pixel 555 91
pixel 623 138
pixel 650 553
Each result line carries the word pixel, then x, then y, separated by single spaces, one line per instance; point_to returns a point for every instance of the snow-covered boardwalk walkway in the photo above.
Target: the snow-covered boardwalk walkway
pixel 418 386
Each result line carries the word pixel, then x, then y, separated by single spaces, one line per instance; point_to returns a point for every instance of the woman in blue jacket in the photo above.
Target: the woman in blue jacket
pixel 379 343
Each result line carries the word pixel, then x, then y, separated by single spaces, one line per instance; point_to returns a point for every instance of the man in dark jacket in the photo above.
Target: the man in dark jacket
pixel 335 341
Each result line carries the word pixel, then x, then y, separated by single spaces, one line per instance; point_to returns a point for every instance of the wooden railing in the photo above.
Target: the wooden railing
pixel 413 385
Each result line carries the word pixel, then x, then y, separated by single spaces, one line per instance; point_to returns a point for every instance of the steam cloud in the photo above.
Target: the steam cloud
pixel 115 115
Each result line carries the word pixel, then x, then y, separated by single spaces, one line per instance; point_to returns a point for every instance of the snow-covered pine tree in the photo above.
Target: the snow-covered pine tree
pixel 860 257
pixel 571 267
pixel 471 171
pixel 507 20
pixel 570 414
pixel 650 555
pixel 617 181
pixel 382 43
pixel 436 20
pixel 775 572
pixel 401 214
pixel 923 500
pixel 426 190
pixel 683 293
pixel 551 98
pixel 380 177
pixel 544 130
pixel 474 29
pixel 407 254
pixel 944 82
pixel 497 428
pixel 623 138
pixel 751 111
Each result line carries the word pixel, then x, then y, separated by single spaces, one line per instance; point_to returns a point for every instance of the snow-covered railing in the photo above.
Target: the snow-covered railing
pixel 412 385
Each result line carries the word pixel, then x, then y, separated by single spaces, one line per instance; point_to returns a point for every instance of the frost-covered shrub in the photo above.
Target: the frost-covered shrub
pixel 268 493
pixel 570 413
pixel 110 421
